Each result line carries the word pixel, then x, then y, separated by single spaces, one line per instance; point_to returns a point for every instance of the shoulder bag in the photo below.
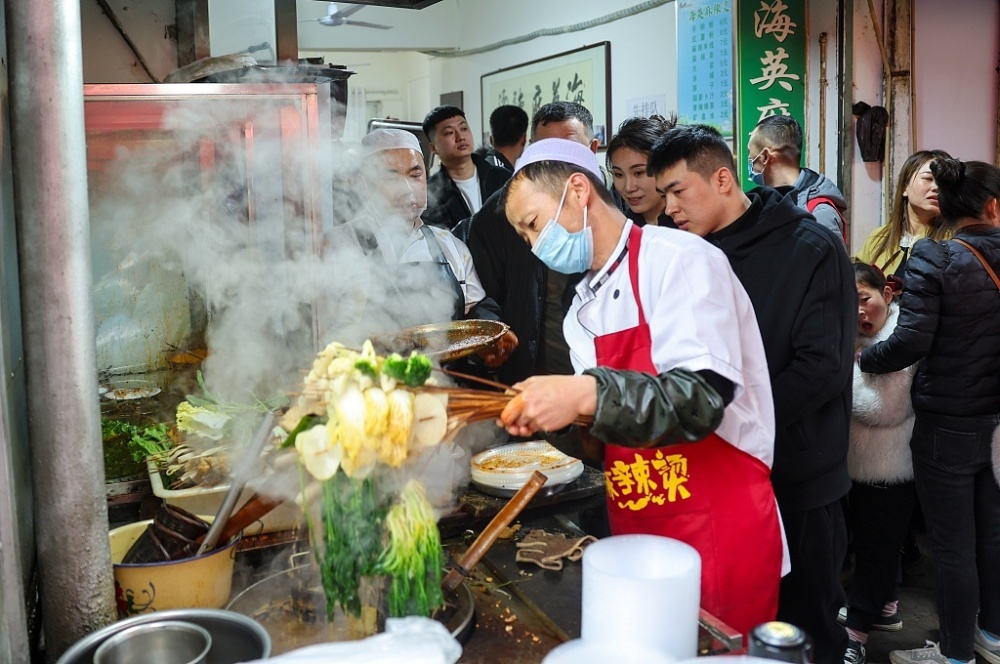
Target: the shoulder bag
pixel 982 259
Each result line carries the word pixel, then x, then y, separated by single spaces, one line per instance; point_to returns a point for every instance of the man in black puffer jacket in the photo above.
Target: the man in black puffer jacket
pixel 801 283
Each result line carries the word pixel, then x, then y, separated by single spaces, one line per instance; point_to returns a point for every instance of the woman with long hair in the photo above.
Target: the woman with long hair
pixel 914 209
pixel 949 322
pixel 627 154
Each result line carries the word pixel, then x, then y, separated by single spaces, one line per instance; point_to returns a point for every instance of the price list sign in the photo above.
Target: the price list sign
pixel 705 63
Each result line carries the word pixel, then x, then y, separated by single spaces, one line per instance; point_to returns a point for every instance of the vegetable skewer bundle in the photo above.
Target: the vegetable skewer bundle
pixel 357 420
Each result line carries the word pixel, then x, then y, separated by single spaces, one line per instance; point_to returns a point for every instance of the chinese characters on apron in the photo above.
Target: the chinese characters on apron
pixel 709 494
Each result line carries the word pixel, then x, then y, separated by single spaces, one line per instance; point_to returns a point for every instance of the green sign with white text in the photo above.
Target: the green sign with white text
pixel 770 67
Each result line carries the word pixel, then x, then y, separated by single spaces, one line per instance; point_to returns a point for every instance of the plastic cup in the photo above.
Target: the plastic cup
pixel 643 590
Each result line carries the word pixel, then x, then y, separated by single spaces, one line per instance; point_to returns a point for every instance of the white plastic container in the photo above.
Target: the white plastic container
pixel 579 651
pixel 206 500
pixel 643 590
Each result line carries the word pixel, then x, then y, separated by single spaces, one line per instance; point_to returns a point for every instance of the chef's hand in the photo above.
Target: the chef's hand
pixel 499 352
pixel 549 403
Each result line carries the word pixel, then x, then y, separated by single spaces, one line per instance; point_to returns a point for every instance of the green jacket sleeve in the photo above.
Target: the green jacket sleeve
pixel 637 409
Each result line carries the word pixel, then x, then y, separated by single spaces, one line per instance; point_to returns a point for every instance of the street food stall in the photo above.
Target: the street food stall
pixel 212 206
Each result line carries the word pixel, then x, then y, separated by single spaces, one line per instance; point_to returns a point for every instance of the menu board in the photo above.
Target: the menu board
pixel 705 63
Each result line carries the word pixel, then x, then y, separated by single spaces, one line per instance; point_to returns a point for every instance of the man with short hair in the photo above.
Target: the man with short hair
pixel 532 297
pixel 671 369
pixel 775 154
pixel 801 283
pixel 465 180
pixel 508 135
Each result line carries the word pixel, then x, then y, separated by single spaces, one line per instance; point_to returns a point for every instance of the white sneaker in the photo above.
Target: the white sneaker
pixel 930 654
pixel 990 651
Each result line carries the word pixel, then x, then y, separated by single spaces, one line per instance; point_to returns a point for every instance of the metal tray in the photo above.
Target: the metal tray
pixel 548 490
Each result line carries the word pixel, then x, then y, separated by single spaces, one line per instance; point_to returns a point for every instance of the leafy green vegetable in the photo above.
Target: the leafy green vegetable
pixel 307 422
pixel 207 399
pixel 413 559
pixel 149 440
pixel 352 516
pixel 208 421
pixel 367 367
pixel 413 371
pixel 394 366
pixel 418 369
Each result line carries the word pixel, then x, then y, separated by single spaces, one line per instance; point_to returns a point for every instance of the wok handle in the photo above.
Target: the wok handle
pixel 493 529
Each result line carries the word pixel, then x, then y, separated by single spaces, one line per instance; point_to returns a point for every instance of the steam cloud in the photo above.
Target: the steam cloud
pixel 224 216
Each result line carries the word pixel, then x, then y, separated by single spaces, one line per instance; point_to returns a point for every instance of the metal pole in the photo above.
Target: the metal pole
pixel 50 178
pixel 845 118
pixel 822 102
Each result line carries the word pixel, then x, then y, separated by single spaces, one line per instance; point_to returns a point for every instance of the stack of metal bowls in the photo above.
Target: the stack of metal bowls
pixel 231 638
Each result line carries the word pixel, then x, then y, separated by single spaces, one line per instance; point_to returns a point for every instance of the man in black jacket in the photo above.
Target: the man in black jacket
pixel 465 180
pixel 508 135
pixel 800 281
pixel 533 299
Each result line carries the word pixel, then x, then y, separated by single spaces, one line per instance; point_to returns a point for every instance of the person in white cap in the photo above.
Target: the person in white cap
pixel 394 179
pixel 670 368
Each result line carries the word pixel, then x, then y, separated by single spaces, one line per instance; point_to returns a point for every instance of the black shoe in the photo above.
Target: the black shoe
pixel 855 653
pixel 891 623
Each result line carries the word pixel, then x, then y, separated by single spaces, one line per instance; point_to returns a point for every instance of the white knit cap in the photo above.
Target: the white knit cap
pixel 560 149
pixel 390 139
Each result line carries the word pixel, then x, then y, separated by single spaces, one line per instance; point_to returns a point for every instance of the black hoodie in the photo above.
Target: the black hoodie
pixel 802 286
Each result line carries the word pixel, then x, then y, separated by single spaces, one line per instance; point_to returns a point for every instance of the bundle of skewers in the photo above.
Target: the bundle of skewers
pixel 470 405
pixel 357 424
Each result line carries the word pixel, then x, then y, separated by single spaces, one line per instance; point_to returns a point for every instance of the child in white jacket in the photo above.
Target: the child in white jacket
pixel 883 495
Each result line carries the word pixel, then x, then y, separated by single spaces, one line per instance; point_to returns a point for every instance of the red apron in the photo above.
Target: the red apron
pixel 709 494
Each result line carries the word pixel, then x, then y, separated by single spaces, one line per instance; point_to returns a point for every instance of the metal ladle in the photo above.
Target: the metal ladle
pixel 240 477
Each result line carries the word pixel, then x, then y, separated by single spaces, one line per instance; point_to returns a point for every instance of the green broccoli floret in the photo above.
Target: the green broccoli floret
pixel 418 369
pixel 367 367
pixel 394 366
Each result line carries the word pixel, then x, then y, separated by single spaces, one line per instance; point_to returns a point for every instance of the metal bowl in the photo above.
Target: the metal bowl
pixel 444 342
pixel 160 642
pixel 235 638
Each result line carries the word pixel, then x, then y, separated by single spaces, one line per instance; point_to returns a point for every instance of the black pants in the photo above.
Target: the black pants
pixel 811 594
pixel 961 503
pixel 879 520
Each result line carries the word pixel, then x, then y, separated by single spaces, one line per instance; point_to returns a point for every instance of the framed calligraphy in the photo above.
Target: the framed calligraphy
pixel 582 75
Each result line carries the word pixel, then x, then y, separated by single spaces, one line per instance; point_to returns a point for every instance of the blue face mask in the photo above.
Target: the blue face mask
pixel 755 177
pixel 562 251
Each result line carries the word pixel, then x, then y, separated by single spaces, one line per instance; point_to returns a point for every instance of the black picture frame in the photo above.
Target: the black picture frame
pixel 582 75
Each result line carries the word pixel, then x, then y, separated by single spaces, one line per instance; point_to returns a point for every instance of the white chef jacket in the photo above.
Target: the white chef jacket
pixel 412 247
pixel 699 317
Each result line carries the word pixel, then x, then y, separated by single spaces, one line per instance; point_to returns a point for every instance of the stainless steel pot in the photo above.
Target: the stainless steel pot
pixel 292 607
pixel 235 638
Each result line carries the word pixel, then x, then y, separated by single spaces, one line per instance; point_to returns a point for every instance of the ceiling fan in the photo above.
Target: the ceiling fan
pixel 335 16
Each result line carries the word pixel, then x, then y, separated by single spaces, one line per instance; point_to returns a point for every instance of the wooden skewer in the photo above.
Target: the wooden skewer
pixel 474 379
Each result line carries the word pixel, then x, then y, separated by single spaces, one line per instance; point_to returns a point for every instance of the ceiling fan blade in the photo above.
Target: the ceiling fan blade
pixel 353 9
pixel 366 24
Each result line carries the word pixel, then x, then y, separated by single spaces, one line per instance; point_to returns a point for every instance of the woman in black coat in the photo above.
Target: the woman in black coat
pixel 949 321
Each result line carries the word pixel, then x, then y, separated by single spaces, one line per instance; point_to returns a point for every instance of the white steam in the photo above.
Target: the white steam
pixel 229 225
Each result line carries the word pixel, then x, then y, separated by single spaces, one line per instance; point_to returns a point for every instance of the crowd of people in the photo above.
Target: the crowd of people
pixel 753 390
